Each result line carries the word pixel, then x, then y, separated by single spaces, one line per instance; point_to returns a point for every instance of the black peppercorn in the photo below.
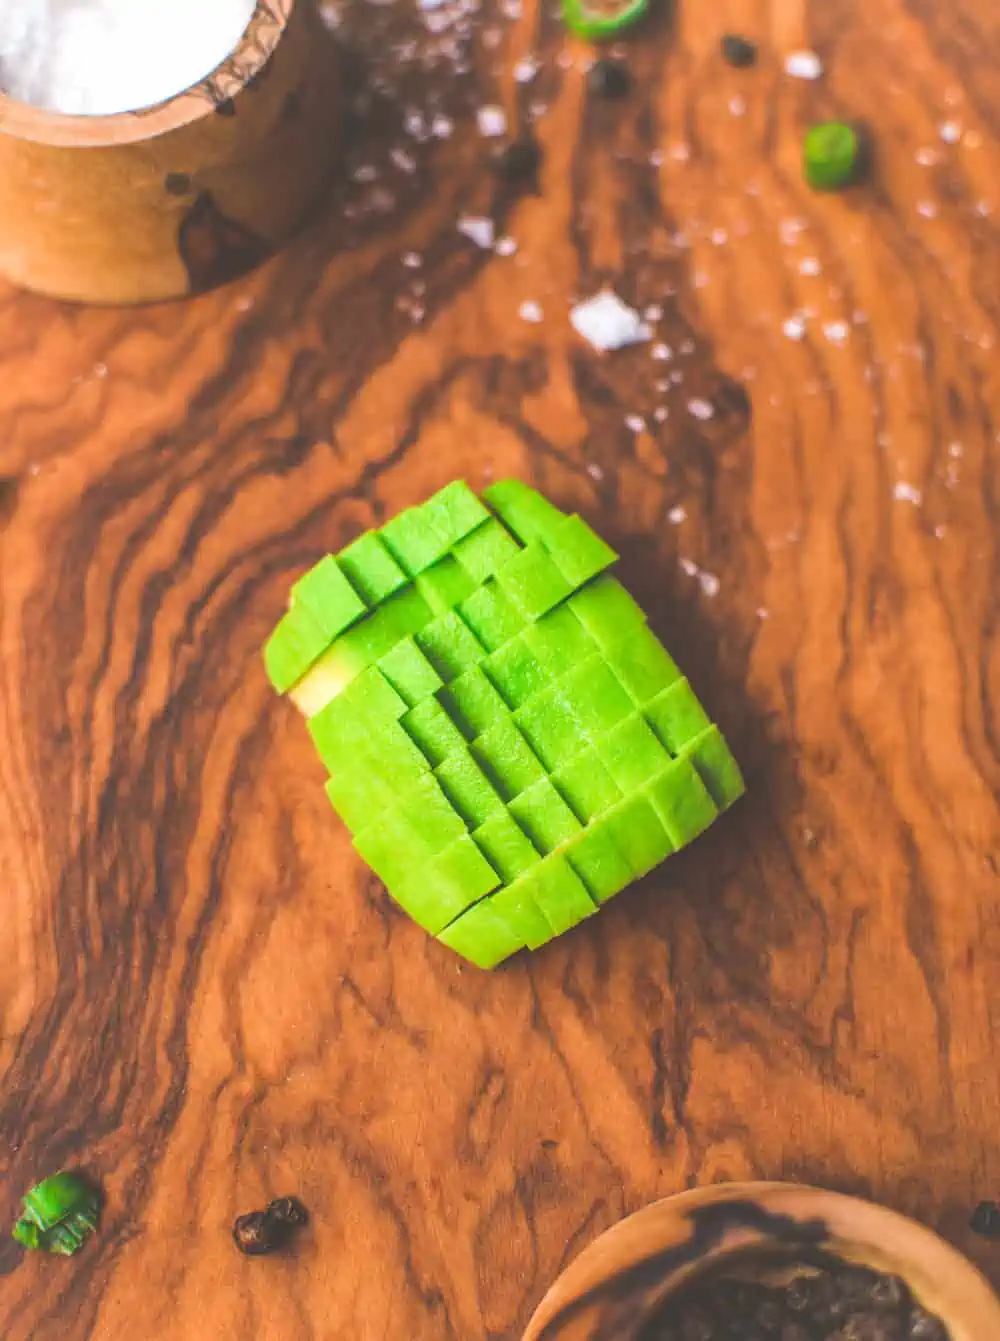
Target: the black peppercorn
pixel 256 1234
pixel 738 51
pixel 986 1220
pixel 267 1231
pixel 288 1211
pixel 517 161
pixel 925 1327
pixel 608 79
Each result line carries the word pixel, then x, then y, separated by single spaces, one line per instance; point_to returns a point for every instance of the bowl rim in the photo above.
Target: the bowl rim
pixel 244 63
pixel 973 1308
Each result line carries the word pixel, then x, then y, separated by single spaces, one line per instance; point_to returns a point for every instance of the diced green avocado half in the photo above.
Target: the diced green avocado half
pixel 507 740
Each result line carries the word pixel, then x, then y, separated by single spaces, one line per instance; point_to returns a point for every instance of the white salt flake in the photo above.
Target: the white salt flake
pixel 701 409
pixel 505 246
pixel 737 106
pixel 492 121
pixel 927 209
pixel 950 132
pixel 530 311
pixel 635 423
pixel 809 265
pixel 442 127
pixel 719 237
pixel 927 157
pixel 525 70
pixel 709 583
pixel 415 124
pixel 661 414
pixel 477 229
pixel 403 161
pixel 908 493
pixel 836 331
pixel 662 353
pixel 676 515
pixel 680 152
pixel 955 450
pixel 412 260
pixel 794 327
pixel 595 472
pixel 607 323
pixel 789 231
pixel 653 312
pixel 803 65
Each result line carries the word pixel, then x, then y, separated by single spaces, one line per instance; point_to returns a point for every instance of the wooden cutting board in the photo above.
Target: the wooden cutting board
pixel 205 1000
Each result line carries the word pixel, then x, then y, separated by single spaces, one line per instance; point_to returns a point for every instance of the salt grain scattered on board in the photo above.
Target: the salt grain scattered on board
pixel 492 121
pixel 505 246
pixel 836 331
pixel 701 409
pixel 950 132
pixel 908 493
pixel 477 229
pixel 530 311
pixel 676 515
pixel 607 323
pixel 794 328
pixel 803 65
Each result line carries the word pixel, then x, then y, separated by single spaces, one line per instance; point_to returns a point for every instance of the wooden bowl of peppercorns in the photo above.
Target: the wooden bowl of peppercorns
pixel 767 1262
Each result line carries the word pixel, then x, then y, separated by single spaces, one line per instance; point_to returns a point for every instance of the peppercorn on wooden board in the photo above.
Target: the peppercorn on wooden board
pixel 206 998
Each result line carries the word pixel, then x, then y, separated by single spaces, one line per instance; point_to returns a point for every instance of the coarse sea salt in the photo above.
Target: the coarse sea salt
pixel 803 65
pixel 101 57
pixel 607 323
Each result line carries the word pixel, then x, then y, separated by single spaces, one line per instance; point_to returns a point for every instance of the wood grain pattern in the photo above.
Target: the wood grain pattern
pixel 203 997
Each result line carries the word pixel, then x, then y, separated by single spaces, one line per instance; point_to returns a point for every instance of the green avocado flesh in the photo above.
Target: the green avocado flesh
pixel 508 742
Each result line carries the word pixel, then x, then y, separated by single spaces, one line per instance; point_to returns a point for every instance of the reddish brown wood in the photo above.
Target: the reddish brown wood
pixel 203 997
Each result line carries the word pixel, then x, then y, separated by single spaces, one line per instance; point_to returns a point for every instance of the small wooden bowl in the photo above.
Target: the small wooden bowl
pixel 182 196
pixel 622 1279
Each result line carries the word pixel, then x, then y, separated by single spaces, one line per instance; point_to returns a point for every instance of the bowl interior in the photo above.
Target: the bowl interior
pixel 753 1231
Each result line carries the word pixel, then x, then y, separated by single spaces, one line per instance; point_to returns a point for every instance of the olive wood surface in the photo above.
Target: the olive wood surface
pixel 205 1000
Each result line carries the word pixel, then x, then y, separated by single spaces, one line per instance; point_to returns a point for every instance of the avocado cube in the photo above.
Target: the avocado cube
pixel 676 716
pixel 516 671
pixel 473 702
pixel 638 833
pixel 424 899
pixel 482 936
pixel 643 665
pixel 560 893
pixel 372 570
pixel 428 809
pixel 579 553
pixel 716 766
pixel 682 801
pixel 410 673
pixel 596 858
pixel 430 727
pixel 607 611
pixel 528 514
pixel 506 846
pixel 551 727
pixel 485 549
pixel 357 794
pixel 398 760
pixel 463 868
pixel 454 512
pixel 444 584
pixel 329 597
pixel 362 645
pixel 449 646
pixel 491 616
pixel 515 903
pixel 544 816
pixel 393 847
pixel 587 785
pixel 371 695
pixel 532 581
pixel 508 758
pixel 595 694
pixel 338 735
pixel 559 641
pixel 413 541
pixel 631 753
pixel 468 788
pixel 293 647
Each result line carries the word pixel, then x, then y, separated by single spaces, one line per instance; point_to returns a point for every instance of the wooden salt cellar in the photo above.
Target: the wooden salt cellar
pixel 182 196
